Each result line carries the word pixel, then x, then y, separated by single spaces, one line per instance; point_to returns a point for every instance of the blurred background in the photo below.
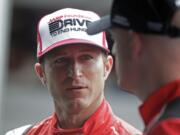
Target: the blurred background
pixel 23 100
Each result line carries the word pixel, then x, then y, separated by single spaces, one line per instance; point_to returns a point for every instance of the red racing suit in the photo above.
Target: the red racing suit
pixel 162 103
pixel 102 122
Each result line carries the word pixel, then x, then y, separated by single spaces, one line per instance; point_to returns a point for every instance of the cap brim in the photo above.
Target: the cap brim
pixel 100 25
pixel 70 42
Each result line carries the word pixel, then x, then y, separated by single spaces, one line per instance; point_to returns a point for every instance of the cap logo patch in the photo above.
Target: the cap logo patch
pixel 73 24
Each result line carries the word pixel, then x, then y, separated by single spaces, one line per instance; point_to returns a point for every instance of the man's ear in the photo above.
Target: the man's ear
pixel 108 66
pixel 40 73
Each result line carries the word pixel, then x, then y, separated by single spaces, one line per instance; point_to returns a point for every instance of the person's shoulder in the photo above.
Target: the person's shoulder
pixel 170 126
pixel 120 123
pixel 29 128
pixel 18 131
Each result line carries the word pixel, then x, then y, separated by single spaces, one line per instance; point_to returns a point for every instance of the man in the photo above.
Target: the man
pixel 74 67
pixel 147 50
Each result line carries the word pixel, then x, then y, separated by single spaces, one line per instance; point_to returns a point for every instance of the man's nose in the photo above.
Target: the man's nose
pixel 74 70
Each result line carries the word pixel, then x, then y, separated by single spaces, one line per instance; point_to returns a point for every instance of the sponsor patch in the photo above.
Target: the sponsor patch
pixel 62 26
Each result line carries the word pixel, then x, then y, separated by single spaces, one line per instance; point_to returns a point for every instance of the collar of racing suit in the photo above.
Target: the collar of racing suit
pixel 99 120
pixel 154 104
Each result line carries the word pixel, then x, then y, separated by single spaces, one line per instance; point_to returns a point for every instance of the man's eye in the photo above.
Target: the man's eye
pixel 61 61
pixel 86 57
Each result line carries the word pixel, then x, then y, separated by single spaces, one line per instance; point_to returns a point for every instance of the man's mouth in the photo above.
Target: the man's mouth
pixel 76 91
pixel 76 88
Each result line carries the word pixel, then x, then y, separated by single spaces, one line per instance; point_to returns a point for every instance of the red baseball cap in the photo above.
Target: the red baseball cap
pixel 67 26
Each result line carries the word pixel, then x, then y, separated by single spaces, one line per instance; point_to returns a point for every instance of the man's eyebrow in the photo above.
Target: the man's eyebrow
pixel 88 49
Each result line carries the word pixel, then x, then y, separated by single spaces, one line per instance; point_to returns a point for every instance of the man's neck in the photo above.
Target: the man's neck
pixel 75 120
pixel 71 121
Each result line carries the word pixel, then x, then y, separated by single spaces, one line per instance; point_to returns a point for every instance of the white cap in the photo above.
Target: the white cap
pixel 67 26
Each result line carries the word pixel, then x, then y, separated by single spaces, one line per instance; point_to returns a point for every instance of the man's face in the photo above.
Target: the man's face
pixel 124 64
pixel 75 76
